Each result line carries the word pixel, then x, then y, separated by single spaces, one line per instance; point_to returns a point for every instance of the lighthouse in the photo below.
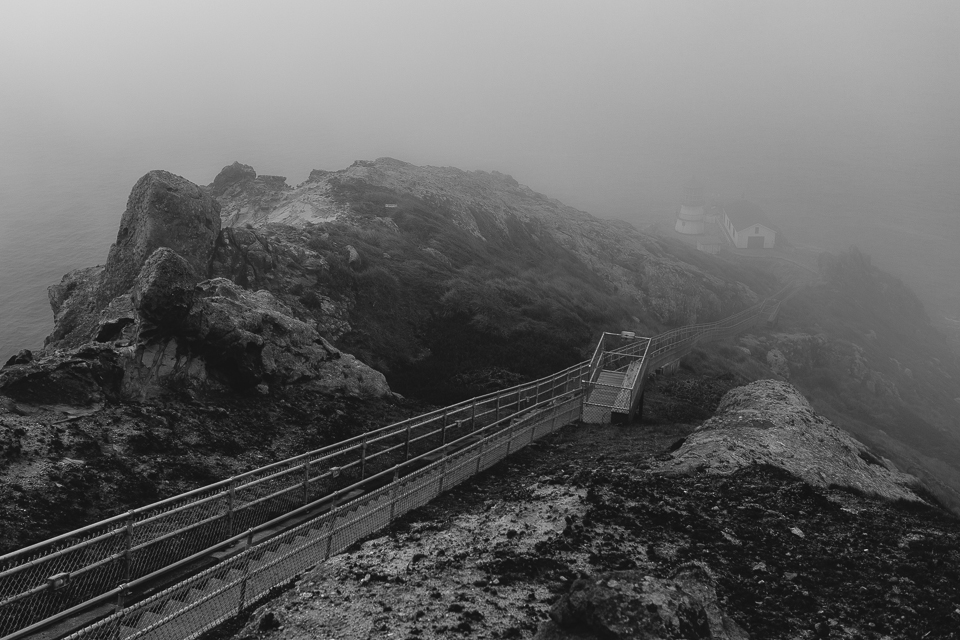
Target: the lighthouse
pixel 690 216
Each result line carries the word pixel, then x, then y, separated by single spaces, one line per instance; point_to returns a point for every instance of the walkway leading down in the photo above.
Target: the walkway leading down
pixel 179 567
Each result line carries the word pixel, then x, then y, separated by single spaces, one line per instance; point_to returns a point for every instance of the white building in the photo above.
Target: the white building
pixel 690 215
pixel 747 227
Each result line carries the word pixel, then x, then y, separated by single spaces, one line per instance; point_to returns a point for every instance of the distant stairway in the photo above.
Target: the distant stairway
pixel 608 387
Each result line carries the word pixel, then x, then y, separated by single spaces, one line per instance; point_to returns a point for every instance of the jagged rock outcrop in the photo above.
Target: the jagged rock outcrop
pixel 493 208
pixel 770 422
pixel 149 319
pixel 163 210
pixel 623 605
pixel 231 175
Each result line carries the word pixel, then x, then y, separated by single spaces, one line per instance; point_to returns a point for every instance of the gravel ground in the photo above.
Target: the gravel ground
pixel 495 557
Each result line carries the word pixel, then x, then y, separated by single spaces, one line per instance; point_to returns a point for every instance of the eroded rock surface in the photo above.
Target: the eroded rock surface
pixel 623 605
pixel 163 210
pixel 151 320
pixel 770 422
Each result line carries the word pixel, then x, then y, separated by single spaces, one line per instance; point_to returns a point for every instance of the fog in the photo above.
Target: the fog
pixel 841 119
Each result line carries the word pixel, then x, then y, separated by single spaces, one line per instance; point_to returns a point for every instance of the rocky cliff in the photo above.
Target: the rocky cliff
pixel 223 322
pixel 158 377
pixel 449 281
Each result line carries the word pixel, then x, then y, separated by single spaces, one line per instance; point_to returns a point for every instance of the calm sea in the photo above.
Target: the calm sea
pixel 60 212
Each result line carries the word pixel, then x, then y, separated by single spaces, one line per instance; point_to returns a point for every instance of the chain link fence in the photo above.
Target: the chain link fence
pixel 89 567
pixel 207 599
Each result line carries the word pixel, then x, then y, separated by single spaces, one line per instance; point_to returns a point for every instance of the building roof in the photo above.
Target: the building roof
pixel 743 213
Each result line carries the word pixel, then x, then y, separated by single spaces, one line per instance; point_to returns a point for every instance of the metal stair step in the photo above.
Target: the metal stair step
pixel 148 618
pixel 172 606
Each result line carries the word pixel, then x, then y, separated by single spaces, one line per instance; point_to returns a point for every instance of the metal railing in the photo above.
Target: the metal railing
pixel 40 583
pixel 208 598
pixel 106 562
pixel 617 352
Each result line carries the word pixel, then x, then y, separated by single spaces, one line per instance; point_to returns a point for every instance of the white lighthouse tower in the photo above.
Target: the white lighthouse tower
pixel 690 216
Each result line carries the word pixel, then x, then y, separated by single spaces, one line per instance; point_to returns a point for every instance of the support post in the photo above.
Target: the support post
pixel 363 459
pixel 128 547
pixel 333 525
pixel 393 503
pixel 306 481
pixel 231 505
pixel 479 454
pixel 473 416
pixel 246 573
pixel 406 451
pixel 498 408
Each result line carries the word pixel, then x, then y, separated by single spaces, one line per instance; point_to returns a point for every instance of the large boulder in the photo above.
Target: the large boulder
pixel 631 604
pixel 163 292
pixel 74 304
pixel 163 210
pixel 79 378
pixel 253 339
pixel 231 175
pixel 770 422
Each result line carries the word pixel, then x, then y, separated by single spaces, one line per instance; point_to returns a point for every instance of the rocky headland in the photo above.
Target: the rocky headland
pixel 248 320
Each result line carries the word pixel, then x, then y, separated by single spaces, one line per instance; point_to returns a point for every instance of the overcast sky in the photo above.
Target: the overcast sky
pixel 593 102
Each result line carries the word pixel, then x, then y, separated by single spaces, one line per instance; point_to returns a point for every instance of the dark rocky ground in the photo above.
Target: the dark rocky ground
pixel 786 560
pixel 60 470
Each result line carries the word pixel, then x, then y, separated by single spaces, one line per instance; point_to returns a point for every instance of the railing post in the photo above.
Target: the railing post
pixel 333 524
pixel 406 452
pixel 443 473
pixel 231 505
pixel 480 454
pixel 363 459
pixel 473 416
pixel 583 398
pixel 393 502
pixel 306 481
pixel 443 430
pixel 498 408
pixel 122 593
pixel 128 547
pixel 246 573
pixel 536 399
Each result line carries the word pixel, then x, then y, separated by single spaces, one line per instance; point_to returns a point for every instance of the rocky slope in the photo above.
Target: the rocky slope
pixel 442 278
pixel 454 282
pixel 611 532
pixel 444 283
pixel 158 378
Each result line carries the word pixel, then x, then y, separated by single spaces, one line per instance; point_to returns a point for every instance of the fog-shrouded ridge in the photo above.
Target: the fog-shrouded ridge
pixel 842 121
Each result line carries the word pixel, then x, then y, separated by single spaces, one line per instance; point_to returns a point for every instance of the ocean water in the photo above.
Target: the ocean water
pixel 49 226
pixel 60 211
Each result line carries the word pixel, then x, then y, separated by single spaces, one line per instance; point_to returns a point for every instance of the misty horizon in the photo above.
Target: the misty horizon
pixel 841 121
